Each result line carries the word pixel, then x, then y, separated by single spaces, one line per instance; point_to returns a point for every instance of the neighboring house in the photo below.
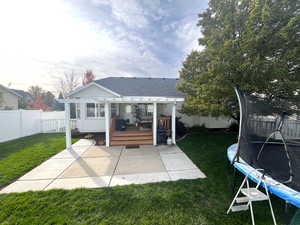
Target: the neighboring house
pixel 144 103
pixel 26 97
pixel 8 99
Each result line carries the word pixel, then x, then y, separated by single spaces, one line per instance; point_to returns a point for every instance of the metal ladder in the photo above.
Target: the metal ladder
pixel 249 195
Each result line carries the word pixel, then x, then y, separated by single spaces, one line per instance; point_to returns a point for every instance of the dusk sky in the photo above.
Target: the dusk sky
pixel 43 39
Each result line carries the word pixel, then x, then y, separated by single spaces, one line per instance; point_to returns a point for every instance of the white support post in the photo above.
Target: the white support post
pixel 107 123
pixel 154 123
pixel 174 123
pixel 68 126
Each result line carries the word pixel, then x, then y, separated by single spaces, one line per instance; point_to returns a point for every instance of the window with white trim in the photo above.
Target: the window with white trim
pixel 75 110
pixel 95 110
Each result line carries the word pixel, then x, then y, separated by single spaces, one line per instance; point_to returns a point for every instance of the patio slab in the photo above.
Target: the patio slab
pixel 186 174
pixel 82 182
pixel 141 151
pixel 26 185
pixel 165 149
pixel 140 164
pixel 90 167
pixel 177 161
pixel 101 151
pixel 73 153
pixel 83 142
pixel 141 178
pixel 50 169
pixel 98 166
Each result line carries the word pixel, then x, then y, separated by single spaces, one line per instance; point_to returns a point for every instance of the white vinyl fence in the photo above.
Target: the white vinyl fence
pixel 20 123
pixel 290 130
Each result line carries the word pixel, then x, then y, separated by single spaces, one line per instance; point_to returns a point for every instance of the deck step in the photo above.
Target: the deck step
pixel 136 142
pixel 131 133
pixel 131 138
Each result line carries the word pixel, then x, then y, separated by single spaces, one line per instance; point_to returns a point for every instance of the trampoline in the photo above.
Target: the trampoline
pixel 269 139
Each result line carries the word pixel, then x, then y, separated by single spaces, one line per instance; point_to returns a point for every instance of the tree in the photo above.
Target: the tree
pixel 88 77
pixel 42 99
pixel 57 105
pixel 36 92
pixel 39 103
pixel 68 83
pixel 251 43
pixel 48 98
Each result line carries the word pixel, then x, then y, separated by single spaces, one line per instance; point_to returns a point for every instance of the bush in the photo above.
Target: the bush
pixel 181 130
pixel 233 127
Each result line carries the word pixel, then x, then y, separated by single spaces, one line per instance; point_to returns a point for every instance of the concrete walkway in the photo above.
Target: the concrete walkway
pixel 98 166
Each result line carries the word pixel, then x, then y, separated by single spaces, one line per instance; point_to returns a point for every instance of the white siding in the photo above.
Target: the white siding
pixel 89 124
pixel 92 91
pixel 8 100
pixel 98 125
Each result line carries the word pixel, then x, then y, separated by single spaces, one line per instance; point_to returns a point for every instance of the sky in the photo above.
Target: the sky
pixel 41 40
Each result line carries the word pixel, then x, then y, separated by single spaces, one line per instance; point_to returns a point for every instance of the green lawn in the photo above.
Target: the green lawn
pixel 19 156
pixel 183 202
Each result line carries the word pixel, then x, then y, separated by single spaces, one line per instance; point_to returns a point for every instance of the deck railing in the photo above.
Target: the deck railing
pixel 56 125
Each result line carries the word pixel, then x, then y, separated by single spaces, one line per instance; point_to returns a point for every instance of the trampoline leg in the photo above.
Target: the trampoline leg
pixel 286 213
pixel 234 180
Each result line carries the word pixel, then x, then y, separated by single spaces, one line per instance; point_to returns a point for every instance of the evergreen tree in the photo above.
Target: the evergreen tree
pixel 251 43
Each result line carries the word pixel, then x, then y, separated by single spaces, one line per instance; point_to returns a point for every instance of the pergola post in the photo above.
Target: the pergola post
pixel 174 123
pixel 68 126
pixel 107 123
pixel 154 123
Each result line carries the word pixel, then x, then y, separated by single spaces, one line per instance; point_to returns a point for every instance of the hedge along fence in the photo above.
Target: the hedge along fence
pixel 20 123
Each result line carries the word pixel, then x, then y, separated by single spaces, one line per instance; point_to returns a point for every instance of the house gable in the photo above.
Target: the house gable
pixel 92 90
pixel 9 99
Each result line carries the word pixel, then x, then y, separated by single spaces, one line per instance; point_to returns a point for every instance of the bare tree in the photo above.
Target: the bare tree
pixel 36 92
pixel 68 83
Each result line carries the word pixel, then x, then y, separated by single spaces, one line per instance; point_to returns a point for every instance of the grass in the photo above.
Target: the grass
pixel 19 156
pixel 200 201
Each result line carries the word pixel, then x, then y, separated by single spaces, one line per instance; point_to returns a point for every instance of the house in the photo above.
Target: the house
pixel 127 110
pixel 26 97
pixel 8 99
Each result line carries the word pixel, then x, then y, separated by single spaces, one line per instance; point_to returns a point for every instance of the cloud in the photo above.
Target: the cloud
pixel 111 37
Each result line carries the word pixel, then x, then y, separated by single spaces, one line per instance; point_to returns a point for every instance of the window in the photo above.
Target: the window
pixel 75 111
pixel 128 108
pixel 146 110
pixel 95 110
pixel 149 111
pixel 114 109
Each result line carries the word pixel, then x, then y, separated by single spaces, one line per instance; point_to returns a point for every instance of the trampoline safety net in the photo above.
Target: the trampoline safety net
pixel 269 136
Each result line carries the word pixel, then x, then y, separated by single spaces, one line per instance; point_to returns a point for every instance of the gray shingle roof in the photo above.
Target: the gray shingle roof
pixel 156 87
pixel 22 93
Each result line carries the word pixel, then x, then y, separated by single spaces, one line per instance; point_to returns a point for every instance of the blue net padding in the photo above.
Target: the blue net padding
pixel 279 189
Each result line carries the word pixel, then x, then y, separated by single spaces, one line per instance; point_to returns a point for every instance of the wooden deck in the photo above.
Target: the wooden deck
pixel 122 138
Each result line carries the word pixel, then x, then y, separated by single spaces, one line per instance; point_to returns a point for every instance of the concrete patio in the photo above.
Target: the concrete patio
pixel 92 166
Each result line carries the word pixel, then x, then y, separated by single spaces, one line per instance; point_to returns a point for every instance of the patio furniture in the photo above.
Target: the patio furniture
pixel 161 136
pixel 165 123
pixel 120 125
